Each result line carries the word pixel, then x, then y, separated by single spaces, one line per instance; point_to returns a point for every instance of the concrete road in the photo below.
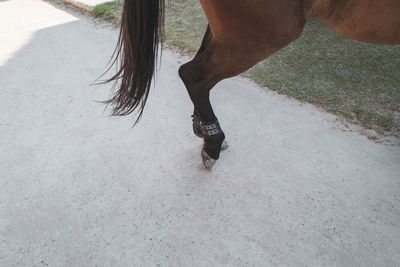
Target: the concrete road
pixel 78 188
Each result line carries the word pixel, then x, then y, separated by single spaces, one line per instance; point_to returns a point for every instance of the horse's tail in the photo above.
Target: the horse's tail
pixel 136 54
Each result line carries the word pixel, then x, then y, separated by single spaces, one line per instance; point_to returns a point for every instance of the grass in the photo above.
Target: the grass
pixel 109 10
pixel 358 81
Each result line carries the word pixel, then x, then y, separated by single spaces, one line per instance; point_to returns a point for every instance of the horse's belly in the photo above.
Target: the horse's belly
pixel 367 21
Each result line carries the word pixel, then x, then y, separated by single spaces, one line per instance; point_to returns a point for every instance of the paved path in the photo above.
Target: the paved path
pixel 80 189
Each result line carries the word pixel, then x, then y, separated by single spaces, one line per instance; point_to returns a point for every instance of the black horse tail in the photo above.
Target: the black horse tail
pixel 136 53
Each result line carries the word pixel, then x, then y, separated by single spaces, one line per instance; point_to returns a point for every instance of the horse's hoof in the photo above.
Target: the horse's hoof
pixel 207 160
pixel 224 145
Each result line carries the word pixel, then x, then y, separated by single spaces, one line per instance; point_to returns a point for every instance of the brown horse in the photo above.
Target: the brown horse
pixel 240 34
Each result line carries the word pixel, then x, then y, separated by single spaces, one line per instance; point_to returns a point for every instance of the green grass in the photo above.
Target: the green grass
pixel 185 25
pixel 358 81
pixel 109 10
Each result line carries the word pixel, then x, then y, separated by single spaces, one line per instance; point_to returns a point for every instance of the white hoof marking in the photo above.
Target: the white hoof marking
pixel 207 160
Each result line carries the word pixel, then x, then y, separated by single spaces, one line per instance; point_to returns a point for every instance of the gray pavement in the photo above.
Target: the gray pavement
pixel 295 188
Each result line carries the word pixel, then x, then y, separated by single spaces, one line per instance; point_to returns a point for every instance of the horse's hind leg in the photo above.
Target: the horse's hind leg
pixel 195 117
pixel 197 78
pixel 242 34
pixel 212 64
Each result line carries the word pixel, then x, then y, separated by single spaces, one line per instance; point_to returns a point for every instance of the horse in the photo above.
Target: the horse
pixel 240 33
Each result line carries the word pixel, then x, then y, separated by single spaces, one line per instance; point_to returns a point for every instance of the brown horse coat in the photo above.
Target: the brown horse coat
pixel 240 34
